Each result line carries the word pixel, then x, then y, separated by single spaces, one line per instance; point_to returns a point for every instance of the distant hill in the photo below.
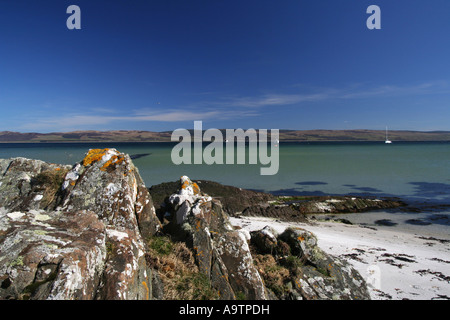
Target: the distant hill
pixel 285 135
pixel 86 136
pixel 362 135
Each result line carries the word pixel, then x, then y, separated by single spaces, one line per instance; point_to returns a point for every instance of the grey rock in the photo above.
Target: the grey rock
pixel 222 253
pixel 87 241
pixel 322 276
pixel 79 233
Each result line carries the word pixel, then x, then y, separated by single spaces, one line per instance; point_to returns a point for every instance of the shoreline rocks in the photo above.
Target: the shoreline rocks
pixel 221 252
pixel 85 242
pixel 307 271
pixel 94 231
pixel 234 260
pixel 241 202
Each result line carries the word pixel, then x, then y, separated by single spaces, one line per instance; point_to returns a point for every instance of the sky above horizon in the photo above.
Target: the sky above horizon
pixel 159 65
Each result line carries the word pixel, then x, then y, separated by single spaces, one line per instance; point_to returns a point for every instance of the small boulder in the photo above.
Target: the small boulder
pixel 265 240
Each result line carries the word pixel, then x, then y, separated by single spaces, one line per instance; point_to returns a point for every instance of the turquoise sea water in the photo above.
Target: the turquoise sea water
pixel 415 172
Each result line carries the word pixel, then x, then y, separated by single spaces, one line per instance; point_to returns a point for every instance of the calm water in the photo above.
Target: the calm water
pixel 416 172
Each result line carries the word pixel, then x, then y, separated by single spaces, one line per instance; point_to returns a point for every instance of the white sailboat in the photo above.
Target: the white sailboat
pixel 387 140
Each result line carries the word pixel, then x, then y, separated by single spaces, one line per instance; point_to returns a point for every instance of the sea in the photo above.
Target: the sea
pixel 415 172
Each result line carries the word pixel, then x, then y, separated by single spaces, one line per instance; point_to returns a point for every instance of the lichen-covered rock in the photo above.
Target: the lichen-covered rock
pixel 265 240
pixel 244 278
pixel 222 253
pixel 235 201
pixel 51 255
pixel 30 184
pixel 241 264
pixel 80 232
pixel 87 241
pixel 188 200
pixel 316 275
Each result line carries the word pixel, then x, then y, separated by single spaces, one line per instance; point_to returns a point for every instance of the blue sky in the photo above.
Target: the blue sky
pixel 161 64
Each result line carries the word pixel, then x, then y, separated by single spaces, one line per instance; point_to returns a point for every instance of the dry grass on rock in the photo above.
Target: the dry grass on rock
pixel 179 273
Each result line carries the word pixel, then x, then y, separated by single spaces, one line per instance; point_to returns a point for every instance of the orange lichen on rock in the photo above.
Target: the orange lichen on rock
pixel 198 225
pixel 147 290
pixel 115 160
pixel 94 155
pixel 195 188
pixel 185 184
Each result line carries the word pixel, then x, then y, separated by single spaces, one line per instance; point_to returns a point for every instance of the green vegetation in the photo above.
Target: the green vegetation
pixel 18 262
pixel 110 247
pixel 293 263
pixel 241 296
pixel 162 246
pixel 198 286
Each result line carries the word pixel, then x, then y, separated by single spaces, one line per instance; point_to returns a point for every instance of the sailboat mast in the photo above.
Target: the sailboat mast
pixel 387 140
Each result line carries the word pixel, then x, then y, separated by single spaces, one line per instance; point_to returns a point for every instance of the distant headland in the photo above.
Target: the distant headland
pixel 285 136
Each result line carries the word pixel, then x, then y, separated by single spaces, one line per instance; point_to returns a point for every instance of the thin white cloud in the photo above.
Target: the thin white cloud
pixel 76 121
pixel 274 100
pixel 350 92
pixel 225 107
pixel 394 90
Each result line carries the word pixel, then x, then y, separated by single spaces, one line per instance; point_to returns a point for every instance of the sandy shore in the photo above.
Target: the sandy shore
pixel 396 264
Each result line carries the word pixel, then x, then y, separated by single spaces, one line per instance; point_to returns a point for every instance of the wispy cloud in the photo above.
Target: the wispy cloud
pixel 350 92
pixel 274 100
pixel 438 87
pixel 75 121
pixel 223 107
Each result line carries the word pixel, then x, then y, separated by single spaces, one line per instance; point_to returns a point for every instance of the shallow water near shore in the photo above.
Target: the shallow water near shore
pixel 416 172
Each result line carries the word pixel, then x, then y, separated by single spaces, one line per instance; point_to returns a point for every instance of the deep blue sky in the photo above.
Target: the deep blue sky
pixel 275 64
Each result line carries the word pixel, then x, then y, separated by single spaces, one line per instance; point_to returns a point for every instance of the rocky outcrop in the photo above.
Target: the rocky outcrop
pixel 75 232
pixel 303 270
pixel 341 204
pixel 221 252
pixel 235 261
pixel 240 202
pixel 234 200
pixel 91 231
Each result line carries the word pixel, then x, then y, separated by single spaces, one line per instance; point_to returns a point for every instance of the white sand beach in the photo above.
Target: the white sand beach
pixel 396 264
